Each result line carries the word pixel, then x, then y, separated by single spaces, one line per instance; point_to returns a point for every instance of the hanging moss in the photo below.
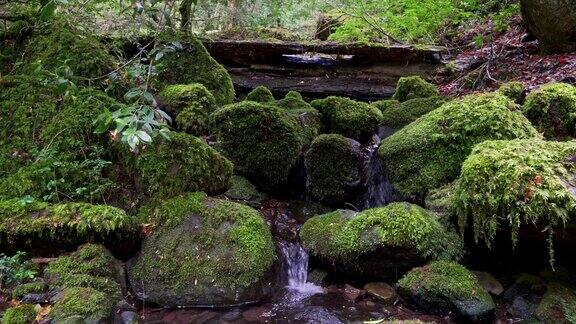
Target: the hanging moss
pixel 530 183
pixel 552 110
pixel 443 287
pixel 397 116
pixel 261 94
pixel 332 166
pixel 215 244
pixel 429 152
pixel 185 163
pixel 194 64
pixel 21 314
pixel 38 226
pixel 87 304
pixel 340 237
pixel 414 87
pixel 349 118
pixel 263 142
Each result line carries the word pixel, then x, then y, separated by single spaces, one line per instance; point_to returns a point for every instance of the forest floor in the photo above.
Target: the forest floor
pixel 513 55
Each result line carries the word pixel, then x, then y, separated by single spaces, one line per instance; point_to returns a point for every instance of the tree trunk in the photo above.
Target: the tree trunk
pixel 552 22
pixel 233 13
pixel 185 10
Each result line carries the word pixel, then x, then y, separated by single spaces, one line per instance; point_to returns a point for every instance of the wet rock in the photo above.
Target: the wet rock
pixel 204 252
pixel 317 277
pixel 244 191
pixel 558 305
pixel 522 307
pixel 317 315
pixel 352 294
pixel 129 317
pixel 382 291
pixel 488 282
pixel 525 285
pixel 552 23
pixel 39 298
pixel 254 314
pixel 233 315
pixel 442 287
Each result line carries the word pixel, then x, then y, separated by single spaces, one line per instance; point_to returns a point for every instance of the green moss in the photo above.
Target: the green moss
pixel 191 104
pixel 87 303
pixel 514 90
pixel 61 44
pixel 194 64
pixel 384 105
pixel 293 101
pixel 338 237
pixel 36 224
pixel 261 94
pixel 332 165
pixel 443 284
pixel 21 314
pixel 263 142
pixel 414 87
pixel 429 152
pixel 185 163
pixel 206 242
pixel 352 119
pixel 35 287
pixel 558 305
pixel 402 114
pixel 440 201
pixel 552 110
pixel 529 184
pixel 293 95
pixel 242 189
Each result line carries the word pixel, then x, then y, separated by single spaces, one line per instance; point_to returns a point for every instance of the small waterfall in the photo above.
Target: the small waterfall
pixel 295 260
pixel 379 190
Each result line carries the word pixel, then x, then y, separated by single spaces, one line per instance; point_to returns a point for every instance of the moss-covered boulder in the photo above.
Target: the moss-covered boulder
pixel 558 305
pixel 552 22
pixel 91 266
pixel 261 94
pixel 193 64
pixel 45 229
pixel 552 110
pixel 60 45
pixel 264 142
pixel 381 242
pixel 333 166
pixel 293 101
pixel 514 90
pixel 21 314
pixel 531 184
pixel 349 118
pixel 84 305
pixel 442 287
pixel 399 115
pixel 203 252
pixel 191 104
pixel 244 191
pixel 414 87
pixel 34 287
pixel 429 152
pixel 184 163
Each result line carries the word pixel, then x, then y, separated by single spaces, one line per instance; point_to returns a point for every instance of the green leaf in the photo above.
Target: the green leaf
pixel 144 136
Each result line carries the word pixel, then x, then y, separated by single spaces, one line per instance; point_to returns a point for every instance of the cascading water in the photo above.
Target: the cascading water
pixel 295 260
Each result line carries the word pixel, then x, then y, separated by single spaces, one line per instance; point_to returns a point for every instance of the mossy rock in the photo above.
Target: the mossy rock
pixel 380 242
pixel 531 184
pixel 384 105
pixel 294 101
pixel 261 94
pixel 514 90
pixel 184 163
pixel 35 287
pixel 244 191
pixel 440 201
pixel 349 118
pixel 45 229
pixel 429 152
pixel 91 266
pixel 84 305
pixel 293 95
pixel 552 110
pixel 264 142
pixel 333 166
pixel 21 314
pixel 558 305
pixel 414 87
pixel 60 44
pixel 193 64
pixel 552 22
pixel 442 287
pixel 402 114
pixel 192 104
pixel 203 252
